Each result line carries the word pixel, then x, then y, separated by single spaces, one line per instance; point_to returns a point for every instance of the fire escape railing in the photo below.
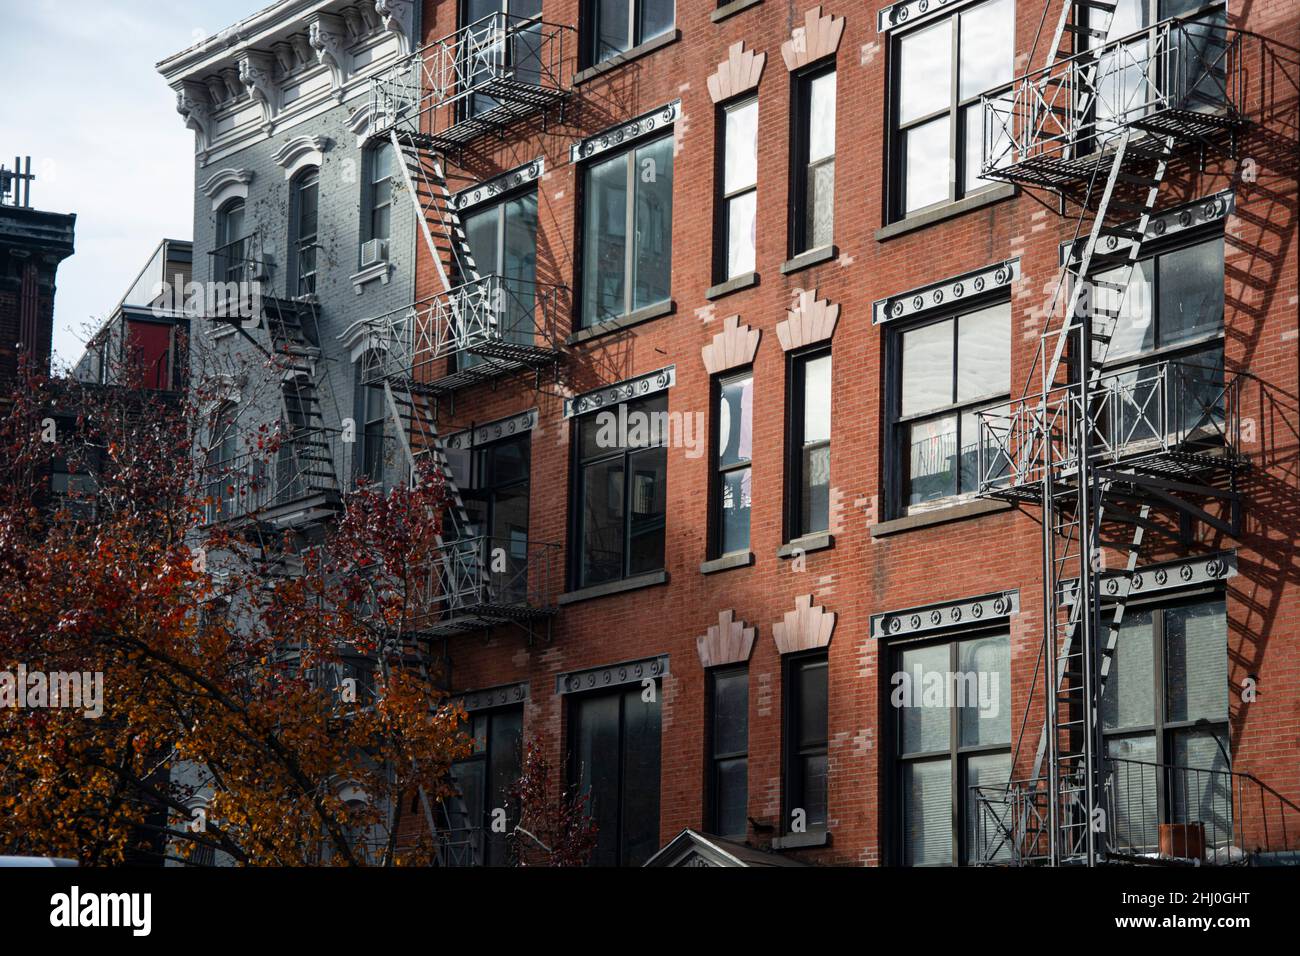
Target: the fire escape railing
pixel 484 579
pixel 1178 70
pixel 300 469
pixel 1156 409
pixel 507 320
pixel 1231 816
pixel 495 70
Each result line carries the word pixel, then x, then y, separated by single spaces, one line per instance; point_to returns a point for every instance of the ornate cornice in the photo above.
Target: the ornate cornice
pixel 328 37
pixel 194 103
pixel 398 18
pixel 615 675
pixel 257 73
pixel 625 391
pixel 963 612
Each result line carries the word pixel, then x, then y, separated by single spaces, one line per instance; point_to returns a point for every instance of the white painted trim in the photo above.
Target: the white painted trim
pixel 301 152
pixel 227 184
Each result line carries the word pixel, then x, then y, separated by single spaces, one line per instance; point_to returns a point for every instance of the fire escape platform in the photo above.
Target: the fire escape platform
pixel 500 359
pixel 516 102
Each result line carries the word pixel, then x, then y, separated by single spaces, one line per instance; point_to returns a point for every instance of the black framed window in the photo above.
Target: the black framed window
pixel 733 409
pixel 737 200
pixel 234 247
pixel 809 444
pixel 1171 311
pixel 619 492
pixel 1164 713
pixel 373 416
pixel 728 764
pixel 615 746
pixel 379 191
pixel 305 206
pixel 503 240
pixel 497 499
pixel 223 452
pixel 951 368
pixel 483 781
pixel 510 42
pixel 945 744
pixel 804 740
pixel 940 70
pixel 812 213
pixel 611 27
pixel 627 231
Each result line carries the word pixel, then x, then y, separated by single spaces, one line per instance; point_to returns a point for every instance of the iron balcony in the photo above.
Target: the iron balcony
pixel 1180 77
pixel 294 485
pixel 485 76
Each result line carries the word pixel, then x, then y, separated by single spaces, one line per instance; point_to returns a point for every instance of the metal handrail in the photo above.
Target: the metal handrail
pixel 304 465
pixel 1152 409
pixel 1053 110
pixel 494 56
pixel 485 575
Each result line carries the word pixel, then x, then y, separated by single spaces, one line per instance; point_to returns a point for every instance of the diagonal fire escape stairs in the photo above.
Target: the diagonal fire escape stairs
pixel 1067 445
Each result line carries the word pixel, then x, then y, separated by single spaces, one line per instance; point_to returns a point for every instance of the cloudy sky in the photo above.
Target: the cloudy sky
pixel 83 100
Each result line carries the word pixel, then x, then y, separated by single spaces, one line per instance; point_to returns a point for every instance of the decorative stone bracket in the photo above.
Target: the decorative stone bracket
pixel 727 642
pixel 739 73
pixel 805 628
pixel 819 37
pixel 734 346
pixel 811 320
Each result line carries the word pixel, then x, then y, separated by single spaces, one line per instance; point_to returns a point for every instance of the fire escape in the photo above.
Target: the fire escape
pixel 477 328
pixel 1115 461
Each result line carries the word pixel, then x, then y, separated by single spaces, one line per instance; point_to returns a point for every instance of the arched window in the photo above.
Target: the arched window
pixel 229 263
pixel 304 207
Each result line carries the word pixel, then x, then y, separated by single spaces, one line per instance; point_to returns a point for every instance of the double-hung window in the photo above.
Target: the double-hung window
pixel 305 208
pixel 734 417
pixel 737 201
pixel 627 231
pixel 940 70
pixel 812 222
pixel 230 261
pixel 619 492
pixel 1164 363
pixel 952 732
pixel 809 444
pixel 952 368
pixel 612 27
pixel 804 742
pixel 503 240
pixel 614 743
pixel 500 39
pixel 728 770
pixel 379 192
pixel 373 417
pixel 483 781
pixel 1164 713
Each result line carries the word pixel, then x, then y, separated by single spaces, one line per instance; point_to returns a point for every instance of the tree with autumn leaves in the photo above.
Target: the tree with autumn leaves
pixel 265 700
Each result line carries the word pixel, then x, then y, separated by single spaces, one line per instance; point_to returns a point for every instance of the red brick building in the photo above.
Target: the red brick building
pixel 770 221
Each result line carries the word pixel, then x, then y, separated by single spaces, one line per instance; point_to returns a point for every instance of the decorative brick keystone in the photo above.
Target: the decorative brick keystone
pixel 811 320
pixel 805 628
pixel 734 346
pixel 727 642
pixel 738 73
pixel 818 37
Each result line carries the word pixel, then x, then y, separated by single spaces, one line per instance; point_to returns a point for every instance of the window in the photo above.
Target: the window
pixel 305 195
pixel 813 189
pixel 373 415
pixel 483 782
pixel 497 501
pixel 380 192
pixel 951 369
pixel 620 502
pixel 948 742
pixel 940 71
pixel 728 769
pixel 230 259
pixel 223 451
pixel 738 197
pixel 615 746
pixel 1172 310
pixel 503 240
pixel 627 232
pixel 616 26
pixel 804 756
pixel 510 43
pixel 1164 714
pixel 809 502
pixel 734 415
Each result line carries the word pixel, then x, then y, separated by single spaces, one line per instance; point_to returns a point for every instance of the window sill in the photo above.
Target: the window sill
pixel 731 9
pixel 650 312
pixel 813 257
pixel 800 841
pixel 745 281
pixel 635 583
pixel 927 519
pixel 947 211
pixel 737 559
pixel 627 56
pixel 822 541
pixel 383 271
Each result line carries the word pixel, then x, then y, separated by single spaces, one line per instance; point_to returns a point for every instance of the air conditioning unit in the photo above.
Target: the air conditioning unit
pixel 373 252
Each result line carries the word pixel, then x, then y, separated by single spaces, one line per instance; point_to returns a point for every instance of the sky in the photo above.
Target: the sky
pixel 82 98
